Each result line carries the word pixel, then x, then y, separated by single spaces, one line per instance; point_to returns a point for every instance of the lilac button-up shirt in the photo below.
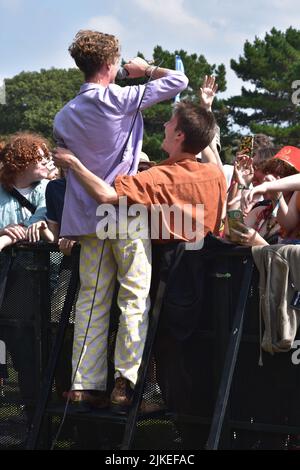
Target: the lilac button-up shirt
pixel 95 126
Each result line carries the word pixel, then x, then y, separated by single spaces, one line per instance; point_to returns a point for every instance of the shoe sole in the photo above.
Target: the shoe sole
pixel 119 409
pixel 88 405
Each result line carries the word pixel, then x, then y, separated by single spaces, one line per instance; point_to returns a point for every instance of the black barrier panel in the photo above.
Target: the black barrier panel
pixel 263 395
pixel 183 374
pixel 22 333
pixel 34 291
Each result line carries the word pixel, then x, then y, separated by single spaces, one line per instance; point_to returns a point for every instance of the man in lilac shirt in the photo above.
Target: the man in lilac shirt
pixel 102 129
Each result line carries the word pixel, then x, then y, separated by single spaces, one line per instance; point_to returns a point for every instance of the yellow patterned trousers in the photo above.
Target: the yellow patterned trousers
pixel 130 262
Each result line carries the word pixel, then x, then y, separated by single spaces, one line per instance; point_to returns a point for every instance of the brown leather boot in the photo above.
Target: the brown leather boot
pixel 121 398
pixel 122 393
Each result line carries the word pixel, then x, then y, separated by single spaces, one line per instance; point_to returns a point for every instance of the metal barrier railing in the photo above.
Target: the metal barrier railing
pixel 217 395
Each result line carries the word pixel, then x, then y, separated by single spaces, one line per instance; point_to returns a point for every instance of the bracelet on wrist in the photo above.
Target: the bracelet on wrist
pixel 149 70
pixel 242 186
pixel 280 197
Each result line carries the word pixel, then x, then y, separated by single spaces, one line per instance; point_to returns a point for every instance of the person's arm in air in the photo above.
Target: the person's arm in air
pixel 288 216
pixel 208 92
pixel 290 183
pixel 207 95
pixel 211 155
pixel 164 84
pixel 139 67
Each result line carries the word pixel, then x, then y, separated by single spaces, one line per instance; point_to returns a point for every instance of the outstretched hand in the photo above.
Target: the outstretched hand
pixel 33 231
pixel 208 92
pixel 66 245
pixel 251 197
pixel 243 170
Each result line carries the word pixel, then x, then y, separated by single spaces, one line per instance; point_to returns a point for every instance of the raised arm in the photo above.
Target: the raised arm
pixel 288 217
pixel 207 95
pixel 139 67
pixel 290 183
pixel 208 92
pixel 165 84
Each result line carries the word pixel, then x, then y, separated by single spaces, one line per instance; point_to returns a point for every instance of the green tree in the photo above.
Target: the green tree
pixel 33 99
pixel 196 67
pixel 271 65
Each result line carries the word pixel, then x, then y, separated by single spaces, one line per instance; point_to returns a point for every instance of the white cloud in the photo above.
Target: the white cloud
pixel 107 24
pixel 173 12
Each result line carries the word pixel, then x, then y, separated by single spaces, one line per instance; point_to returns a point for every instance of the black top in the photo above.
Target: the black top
pixel 55 195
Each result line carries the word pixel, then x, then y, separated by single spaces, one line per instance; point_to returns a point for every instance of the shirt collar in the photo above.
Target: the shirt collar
pixel 89 86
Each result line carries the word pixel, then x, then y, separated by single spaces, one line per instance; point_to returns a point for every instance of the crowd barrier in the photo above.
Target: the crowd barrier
pixel 216 394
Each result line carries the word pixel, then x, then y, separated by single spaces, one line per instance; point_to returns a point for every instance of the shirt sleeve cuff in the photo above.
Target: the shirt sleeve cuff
pixel 119 187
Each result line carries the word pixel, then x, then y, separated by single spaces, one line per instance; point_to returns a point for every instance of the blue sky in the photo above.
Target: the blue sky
pixel 36 34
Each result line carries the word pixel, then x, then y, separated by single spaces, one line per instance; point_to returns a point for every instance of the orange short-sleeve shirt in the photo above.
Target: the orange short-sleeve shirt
pixel 183 184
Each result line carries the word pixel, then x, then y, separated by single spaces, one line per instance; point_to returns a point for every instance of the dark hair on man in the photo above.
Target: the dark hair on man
pixel 92 49
pixel 197 124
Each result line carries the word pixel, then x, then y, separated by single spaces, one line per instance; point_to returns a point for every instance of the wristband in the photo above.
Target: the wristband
pixel 149 70
pixel 279 197
pixel 241 186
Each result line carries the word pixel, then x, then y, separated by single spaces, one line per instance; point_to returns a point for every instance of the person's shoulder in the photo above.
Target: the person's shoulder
pixel 42 184
pixel 156 171
pixel 3 192
pixel 62 111
pixel 212 168
pixel 55 186
pixel 120 93
pixel 57 183
pixel 199 167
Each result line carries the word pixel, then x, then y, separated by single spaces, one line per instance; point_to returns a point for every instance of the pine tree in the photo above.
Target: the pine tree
pixel 271 65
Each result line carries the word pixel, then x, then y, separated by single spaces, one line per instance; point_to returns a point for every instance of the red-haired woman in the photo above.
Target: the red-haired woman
pixel 24 167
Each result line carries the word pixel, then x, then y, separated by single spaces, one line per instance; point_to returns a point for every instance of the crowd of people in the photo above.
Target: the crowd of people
pixel 99 137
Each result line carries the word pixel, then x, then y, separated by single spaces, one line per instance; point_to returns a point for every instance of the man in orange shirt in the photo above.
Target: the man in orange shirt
pixel 178 181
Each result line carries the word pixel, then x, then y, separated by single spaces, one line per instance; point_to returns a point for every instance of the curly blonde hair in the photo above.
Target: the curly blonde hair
pixel 21 150
pixel 91 50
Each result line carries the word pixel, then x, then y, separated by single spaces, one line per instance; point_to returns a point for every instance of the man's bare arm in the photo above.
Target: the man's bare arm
pixel 95 186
